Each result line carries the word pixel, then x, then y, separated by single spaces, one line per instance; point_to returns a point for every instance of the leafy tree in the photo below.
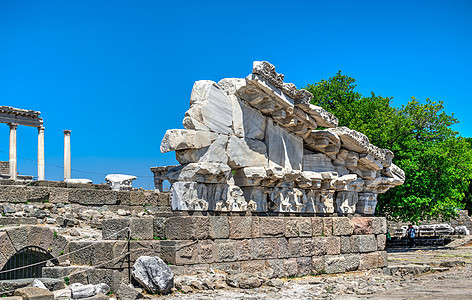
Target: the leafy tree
pixel 437 162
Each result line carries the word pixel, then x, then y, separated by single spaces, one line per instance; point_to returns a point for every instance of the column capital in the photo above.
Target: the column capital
pixel 13 125
pixel 67 132
pixel 41 128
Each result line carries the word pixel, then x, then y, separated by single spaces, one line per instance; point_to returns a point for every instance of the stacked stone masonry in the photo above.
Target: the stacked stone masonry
pixel 272 246
pixel 252 144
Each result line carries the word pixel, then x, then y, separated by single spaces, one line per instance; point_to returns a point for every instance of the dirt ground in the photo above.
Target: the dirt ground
pixel 416 273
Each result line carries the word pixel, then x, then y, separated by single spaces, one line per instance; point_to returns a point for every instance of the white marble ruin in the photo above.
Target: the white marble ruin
pixel 252 144
pixel 120 182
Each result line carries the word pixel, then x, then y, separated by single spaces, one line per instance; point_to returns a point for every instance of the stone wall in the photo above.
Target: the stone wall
pixel 272 246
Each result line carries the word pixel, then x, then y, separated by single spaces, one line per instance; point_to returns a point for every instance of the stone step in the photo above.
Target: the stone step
pixel 51 283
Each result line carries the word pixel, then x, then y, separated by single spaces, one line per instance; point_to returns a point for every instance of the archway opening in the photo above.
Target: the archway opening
pixel 27 263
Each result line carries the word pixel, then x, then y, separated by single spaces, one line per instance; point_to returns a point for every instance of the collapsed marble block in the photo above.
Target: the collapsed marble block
pixel 249 176
pixel 120 182
pixel 210 107
pixel 247 121
pixel 366 203
pixel 284 148
pixel 215 153
pixel 309 180
pixel 200 172
pixel 258 195
pixel 244 152
pixel 317 162
pixel 324 141
pixel 346 202
pixel 180 139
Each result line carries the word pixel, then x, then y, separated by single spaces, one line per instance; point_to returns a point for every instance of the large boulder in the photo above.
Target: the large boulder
pixel 153 274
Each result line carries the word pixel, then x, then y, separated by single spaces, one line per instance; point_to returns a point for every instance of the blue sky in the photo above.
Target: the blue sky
pixel 119 73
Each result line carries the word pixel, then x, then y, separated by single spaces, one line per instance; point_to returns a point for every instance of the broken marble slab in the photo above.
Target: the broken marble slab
pixel 181 139
pixel 210 107
pixel 317 162
pixel 342 183
pixel 78 180
pixel 215 153
pixel 120 182
pixel 258 195
pixel 244 152
pixel 367 203
pixel 200 172
pixel 346 202
pixel 309 180
pixel 247 121
pixel 324 141
pixel 284 148
pixel 249 176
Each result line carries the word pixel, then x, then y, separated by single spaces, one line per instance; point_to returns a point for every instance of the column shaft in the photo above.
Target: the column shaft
pixel 67 163
pixel 12 156
pixel 41 167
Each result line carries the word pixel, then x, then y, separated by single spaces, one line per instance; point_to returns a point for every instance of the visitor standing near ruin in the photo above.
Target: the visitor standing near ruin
pixel 411 235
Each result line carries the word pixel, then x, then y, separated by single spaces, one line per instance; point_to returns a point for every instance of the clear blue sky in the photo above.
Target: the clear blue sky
pixel 119 73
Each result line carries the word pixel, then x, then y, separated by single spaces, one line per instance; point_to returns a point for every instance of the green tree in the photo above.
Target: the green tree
pixel 437 162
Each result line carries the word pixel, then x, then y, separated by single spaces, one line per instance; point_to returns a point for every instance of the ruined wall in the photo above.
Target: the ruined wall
pixel 4 168
pixel 252 144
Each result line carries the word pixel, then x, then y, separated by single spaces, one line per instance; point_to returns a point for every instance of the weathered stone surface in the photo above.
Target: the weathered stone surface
pixel 247 121
pixel 182 139
pixel 120 182
pixel 219 227
pixel 246 152
pixel 284 149
pixel 362 225
pixel 317 225
pixel 265 248
pixel 206 251
pixel 153 274
pixel 200 172
pixel 346 202
pixel 245 249
pixel 367 243
pixel 18 237
pixel 304 266
pixel 381 242
pixel 115 229
pixel 142 228
pixel 272 226
pixel 34 293
pixel 367 203
pixel 225 250
pixel 274 268
pixel 240 227
pixel 215 153
pixel 335 264
pixel 333 245
pixel 283 250
pixel 7 249
pixel 126 292
pixel 342 226
pixel 89 290
pixel 210 106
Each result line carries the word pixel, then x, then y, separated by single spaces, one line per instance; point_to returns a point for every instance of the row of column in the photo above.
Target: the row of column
pixel 41 162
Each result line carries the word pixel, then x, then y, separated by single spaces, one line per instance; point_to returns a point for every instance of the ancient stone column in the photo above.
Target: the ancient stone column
pixel 40 153
pixel 67 165
pixel 12 161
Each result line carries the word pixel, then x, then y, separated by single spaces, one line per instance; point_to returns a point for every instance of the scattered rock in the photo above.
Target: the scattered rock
pixel 39 284
pixel 243 281
pixel 153 274
pixel 80 291
pixel 126 292
pixel 34 293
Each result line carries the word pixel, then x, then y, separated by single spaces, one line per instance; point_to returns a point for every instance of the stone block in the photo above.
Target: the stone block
pixel 335 264
pixel 272 226
pixel 317 226
pixel 283 248
pixel 109 276
pixel 253 267
pixel 181 139
pixel 240 227
pixel 295 247
pixel 274 268
pixel 60 245
pixel 383 259
pixel 101 252
pixel 179 252
pixel 362 225
pixel 345 244
pixel 284 148
pixel 319 246
pixel 40 236
pixel 342 226
pixel 291 267
pixel 381 242
pixel 379 225
pixel 13 194
pixel 93 197
pixel 58 195
pixel 115 229
pixel 265 248
pixel 245 152
pixel 196 269
pixel 305 228
pixel 228 267
pixel 247 121
pixel 34 293
pixel 159 227
pixel 318 265
pixel 352 262
pixel 291 227
pixel 307 246
pixel 141 228
pixel 256 227
pixel 245 249
pixel 215 153
pixel 327 226
pixel 219 227
pixel 202 228
pixel 180 228
pixel 80 253
pixel 18 237
pixel 7 249
pixel 138 249
pixel 225 250
pixel 206 251
pixel 333 245
pixel 367 243
pixel 369 261
pixel 304 266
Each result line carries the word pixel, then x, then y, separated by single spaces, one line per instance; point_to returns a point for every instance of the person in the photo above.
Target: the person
pixel 411 233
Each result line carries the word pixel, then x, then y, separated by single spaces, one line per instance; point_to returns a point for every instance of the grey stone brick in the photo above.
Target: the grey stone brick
pixel 342 226
pixel 335 264
pixel 304 266
pixel 265 248
pixel 142 228
pixel 304 227
pixel 274 268
pixel 333 245
pixel 272 226
pixel 381 242
pixel 219 227
pixel 240 227
pixel 206 251
pixel 244 249
pixel 317 226
pixel 283 248
pixel 180 228
pixel 225 250
pixel 291 227
pixel 367 243
pixel 115 229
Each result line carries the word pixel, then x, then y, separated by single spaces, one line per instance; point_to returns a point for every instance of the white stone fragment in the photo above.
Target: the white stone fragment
pixel 180 139
pixel 78 180
pixel 215 153
pixel 284 148
pixel 120 182
pixel 153 274
pixel 346 202
pixel 367 203
pixel 246 153
pixel 200 172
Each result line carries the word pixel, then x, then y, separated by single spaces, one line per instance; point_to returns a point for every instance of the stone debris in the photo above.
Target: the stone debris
pixel 153 274
pixel 39 284
pixel 252 144
pixel 120 182
pixel 80 291
pixel 34 293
